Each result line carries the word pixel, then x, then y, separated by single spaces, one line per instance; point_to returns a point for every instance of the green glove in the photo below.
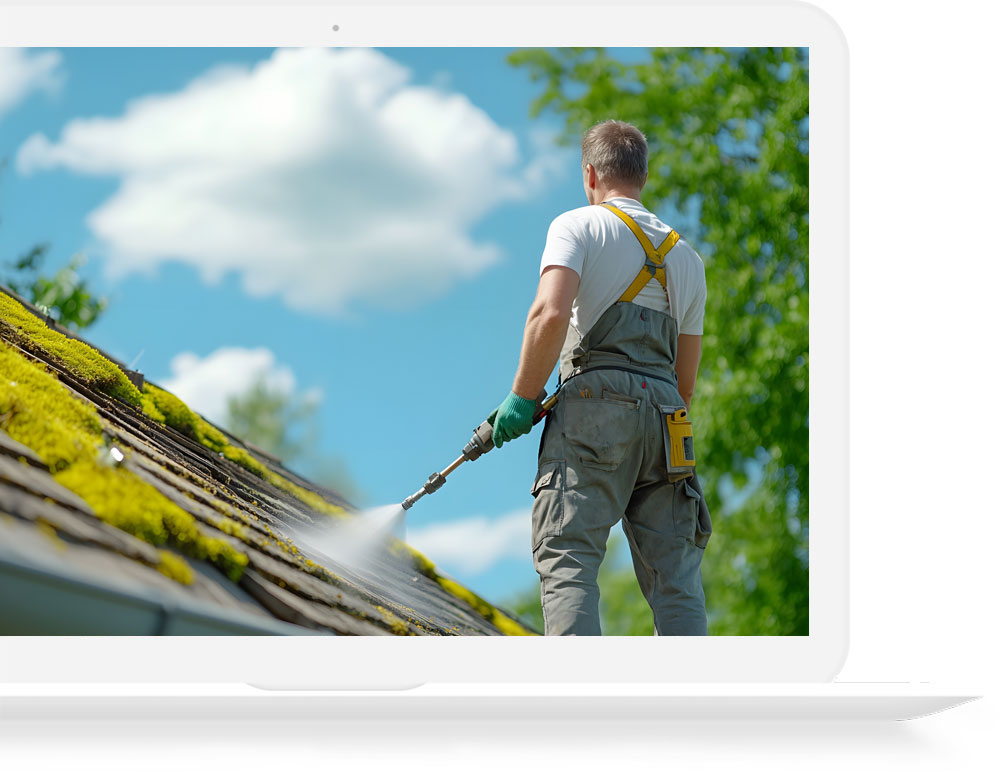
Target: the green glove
pixel 512 418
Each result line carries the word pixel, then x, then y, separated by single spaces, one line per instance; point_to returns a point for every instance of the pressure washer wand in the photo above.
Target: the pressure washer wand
pixel 481 442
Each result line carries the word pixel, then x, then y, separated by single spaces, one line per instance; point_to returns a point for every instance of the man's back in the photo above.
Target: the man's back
pixel 600 248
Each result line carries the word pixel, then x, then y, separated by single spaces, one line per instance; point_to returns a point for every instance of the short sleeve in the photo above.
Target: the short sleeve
pixel 693 322
pixel 564 244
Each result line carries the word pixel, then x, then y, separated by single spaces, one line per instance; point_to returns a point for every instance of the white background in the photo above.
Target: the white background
pixel 924 516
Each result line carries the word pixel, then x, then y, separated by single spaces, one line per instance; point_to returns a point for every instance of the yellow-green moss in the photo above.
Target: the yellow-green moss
pixel 150 409
pixel 65 432
pixel 508 626
pixel 83 361
pixel 123 500
pixel 175 568
pixel 312 500
pixel 397 625
pixel 52 535
pixel 231 527
pixel 172 411
pixel 38 411
pixel 418 559
pixel 179 416
pixel 490 613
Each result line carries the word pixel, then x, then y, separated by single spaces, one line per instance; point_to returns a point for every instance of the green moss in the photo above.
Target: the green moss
pixel 83 361
pixel 418 559
pixel 231 527
pixel 37 410
pixel 118 497
pixel 312 500
pixel 493 615
pixel 150 409
pixel 123 500
pixel 66 433
pixel 175 568
pixel 51 534
pixel 508 626
pixel 490 613
pixel 397 625
pixel 179 416
pixel 241 457
pixel 164 407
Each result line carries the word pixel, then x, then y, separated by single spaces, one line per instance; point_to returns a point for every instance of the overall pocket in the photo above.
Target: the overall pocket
pixel 703 527
pixel 690 522
pixel 601 429
pixel 549 491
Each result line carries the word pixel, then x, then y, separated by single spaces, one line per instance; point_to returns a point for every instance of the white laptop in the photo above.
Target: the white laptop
pixel 229 545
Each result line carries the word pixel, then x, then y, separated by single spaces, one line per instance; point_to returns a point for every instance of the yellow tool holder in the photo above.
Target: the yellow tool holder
pixel 680 456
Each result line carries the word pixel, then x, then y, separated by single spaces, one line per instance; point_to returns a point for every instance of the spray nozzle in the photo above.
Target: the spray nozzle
pixel 434 482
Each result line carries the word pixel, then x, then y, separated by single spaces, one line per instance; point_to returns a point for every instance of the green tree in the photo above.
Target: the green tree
pixel 728 138
pixel 283 424
pixel 65 295
pixel 274 419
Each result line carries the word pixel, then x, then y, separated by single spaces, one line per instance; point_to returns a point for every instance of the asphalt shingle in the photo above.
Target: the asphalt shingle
pixel 226 510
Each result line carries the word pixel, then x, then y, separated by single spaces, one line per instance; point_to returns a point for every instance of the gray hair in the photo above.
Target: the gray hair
pixel 617 151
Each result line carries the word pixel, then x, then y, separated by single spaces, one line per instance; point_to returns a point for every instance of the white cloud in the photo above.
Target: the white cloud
pixel 474 544
pixel 206 383
pixel 320 175
pixel 23 71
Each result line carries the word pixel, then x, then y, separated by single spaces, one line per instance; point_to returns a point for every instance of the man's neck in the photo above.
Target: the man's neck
pixel 621 194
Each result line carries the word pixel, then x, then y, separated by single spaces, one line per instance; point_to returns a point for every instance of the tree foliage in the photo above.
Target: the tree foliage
pixel 274 419
pixel 728 141
pixel 64 295
pixel 283 423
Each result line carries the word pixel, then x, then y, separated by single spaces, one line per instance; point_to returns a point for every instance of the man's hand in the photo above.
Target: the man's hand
pixel 512 418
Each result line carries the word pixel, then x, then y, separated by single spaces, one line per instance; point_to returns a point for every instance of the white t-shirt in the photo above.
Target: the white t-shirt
pixel 595 243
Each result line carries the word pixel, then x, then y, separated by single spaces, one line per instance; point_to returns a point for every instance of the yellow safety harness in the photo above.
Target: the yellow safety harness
pixel 680 435
pixel 653 269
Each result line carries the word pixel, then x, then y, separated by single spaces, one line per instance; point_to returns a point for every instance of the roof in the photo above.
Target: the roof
pixel 123 511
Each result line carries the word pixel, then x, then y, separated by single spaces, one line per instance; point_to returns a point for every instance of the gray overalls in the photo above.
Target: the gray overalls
pixel 602 459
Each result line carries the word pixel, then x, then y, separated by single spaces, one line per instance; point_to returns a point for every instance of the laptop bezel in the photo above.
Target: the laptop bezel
pixel 338 662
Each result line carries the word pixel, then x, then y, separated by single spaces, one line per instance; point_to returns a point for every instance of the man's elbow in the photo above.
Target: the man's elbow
pixel 550 315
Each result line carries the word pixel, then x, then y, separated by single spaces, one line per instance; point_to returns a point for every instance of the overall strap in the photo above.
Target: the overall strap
pixel 653 269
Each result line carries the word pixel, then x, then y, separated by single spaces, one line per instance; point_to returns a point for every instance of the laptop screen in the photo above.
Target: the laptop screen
pixel 274 320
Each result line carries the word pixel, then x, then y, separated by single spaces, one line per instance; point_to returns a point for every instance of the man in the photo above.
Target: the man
pixel 620 306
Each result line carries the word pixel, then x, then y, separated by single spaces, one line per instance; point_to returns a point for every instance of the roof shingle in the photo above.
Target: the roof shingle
pixel 184 503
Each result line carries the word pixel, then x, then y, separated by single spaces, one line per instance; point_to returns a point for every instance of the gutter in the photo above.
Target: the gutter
pixel 37 600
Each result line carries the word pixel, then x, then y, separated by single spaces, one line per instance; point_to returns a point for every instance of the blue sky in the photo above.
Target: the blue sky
pixel 362 225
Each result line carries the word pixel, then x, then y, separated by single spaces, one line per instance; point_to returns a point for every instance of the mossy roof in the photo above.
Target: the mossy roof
pixel 119 474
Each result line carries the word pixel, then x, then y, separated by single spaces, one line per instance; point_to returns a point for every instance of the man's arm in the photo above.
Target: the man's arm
pixel 544 334
pixel 688 357
pixel 545 329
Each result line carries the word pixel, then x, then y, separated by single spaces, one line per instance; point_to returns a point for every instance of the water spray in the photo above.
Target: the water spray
pixel 358 543
pixel 481 442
